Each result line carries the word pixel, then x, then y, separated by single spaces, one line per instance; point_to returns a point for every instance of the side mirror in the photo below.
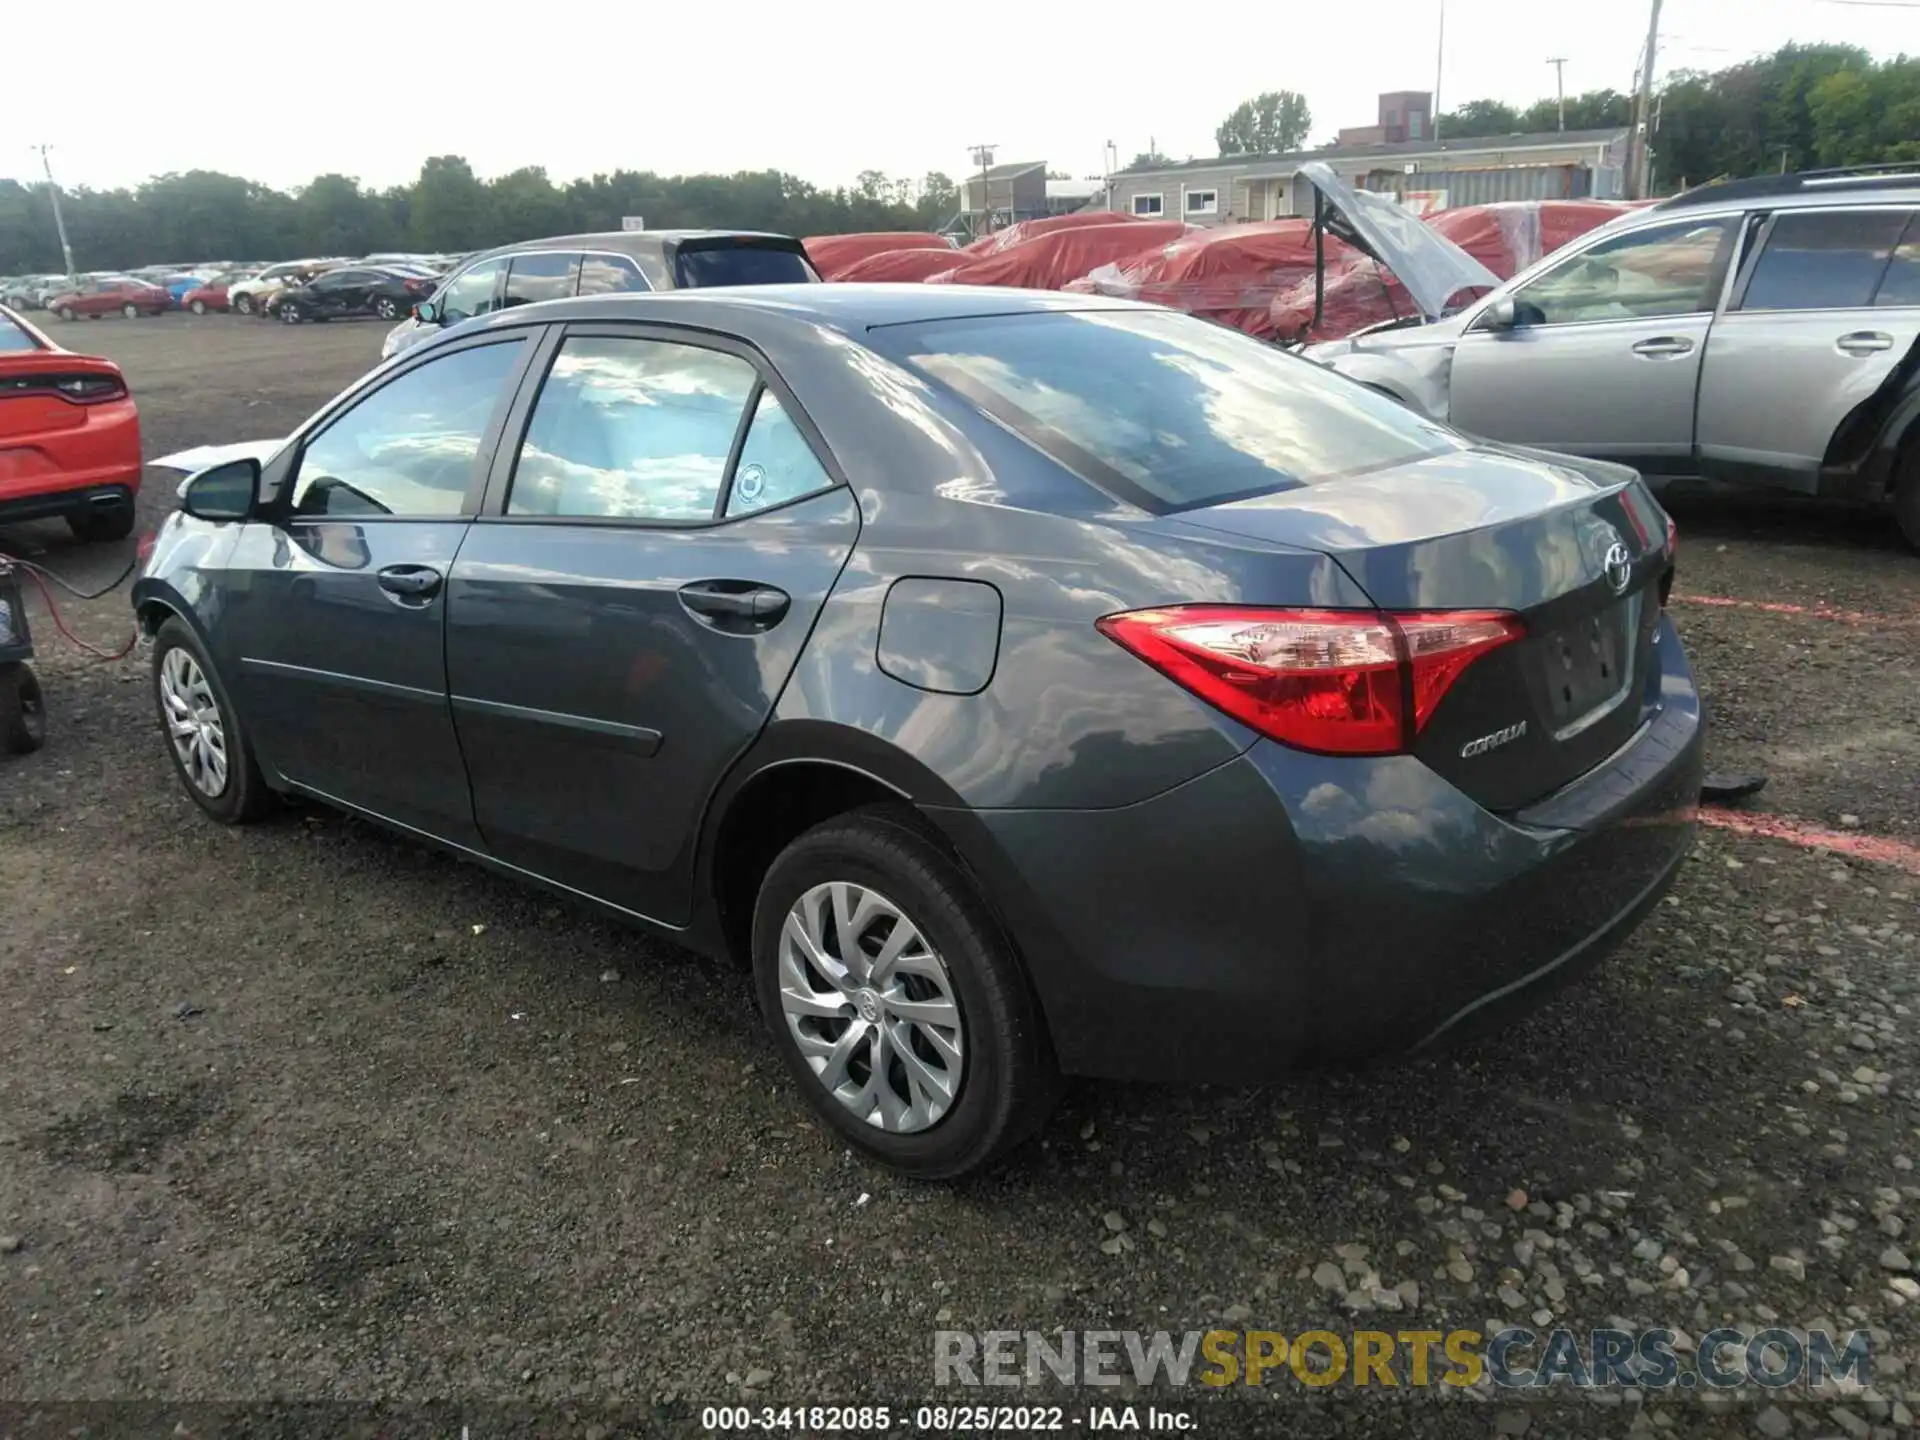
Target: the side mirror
pixel 427 313
pixel 1502 314
pixel 223 493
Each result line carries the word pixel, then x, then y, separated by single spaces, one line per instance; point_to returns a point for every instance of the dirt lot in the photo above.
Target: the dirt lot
pixel 308 1112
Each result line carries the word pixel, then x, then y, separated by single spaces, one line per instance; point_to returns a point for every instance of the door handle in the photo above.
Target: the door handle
pixel 1664 345
pixel 1864 342
pixel 759 605
pixel 410 582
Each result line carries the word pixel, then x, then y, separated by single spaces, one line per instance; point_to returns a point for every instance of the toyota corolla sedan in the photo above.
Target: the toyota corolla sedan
pixel 1022 684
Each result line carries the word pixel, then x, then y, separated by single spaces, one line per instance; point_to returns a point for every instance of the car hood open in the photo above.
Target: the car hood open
pixel 1432 267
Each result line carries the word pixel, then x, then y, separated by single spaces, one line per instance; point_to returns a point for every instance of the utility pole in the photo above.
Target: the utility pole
pixel 983 157
pixel 59 220
pixel 1439 68
pixel 1559 64
pixel 1640 172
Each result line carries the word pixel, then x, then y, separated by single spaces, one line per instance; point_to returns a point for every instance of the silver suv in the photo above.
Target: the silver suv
pixel 1760 332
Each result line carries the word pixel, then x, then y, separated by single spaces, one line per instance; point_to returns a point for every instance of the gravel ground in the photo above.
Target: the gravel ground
pixel 307 1112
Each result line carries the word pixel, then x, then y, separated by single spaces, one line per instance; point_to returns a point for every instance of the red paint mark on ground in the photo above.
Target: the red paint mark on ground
pixel 1877 848
pixel 1812 612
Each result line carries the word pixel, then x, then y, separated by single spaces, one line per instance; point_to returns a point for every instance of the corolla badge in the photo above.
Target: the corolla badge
pixel 1494 741
pixel 1619 567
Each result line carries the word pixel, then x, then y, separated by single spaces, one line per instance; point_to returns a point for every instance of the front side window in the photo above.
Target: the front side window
pixel 1149 205
pixel 1165 410
pixel 1830 260
pixel 408 449
pixel 631 429
pixel 533 278
pixel 1671 270
pixel 470 293
pixel 609 275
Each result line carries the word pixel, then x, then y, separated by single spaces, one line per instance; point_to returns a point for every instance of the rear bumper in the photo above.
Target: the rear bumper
pixel 1287 909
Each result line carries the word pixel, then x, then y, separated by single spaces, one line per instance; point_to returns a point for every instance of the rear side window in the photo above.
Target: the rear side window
pixel 737 264
pixel 776 462
pixel 1901 284
pixel 1164 410
pixel 1826 261
pixel 609 275
pixel 632 430
pixel 533 278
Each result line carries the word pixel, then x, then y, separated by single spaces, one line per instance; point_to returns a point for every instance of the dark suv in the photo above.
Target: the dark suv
pixel 602 264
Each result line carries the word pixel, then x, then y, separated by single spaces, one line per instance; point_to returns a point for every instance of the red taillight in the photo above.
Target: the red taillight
pixel 87 388
pixel 1338 682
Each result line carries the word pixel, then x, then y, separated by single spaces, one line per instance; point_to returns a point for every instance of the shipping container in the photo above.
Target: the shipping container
pixel 1430 190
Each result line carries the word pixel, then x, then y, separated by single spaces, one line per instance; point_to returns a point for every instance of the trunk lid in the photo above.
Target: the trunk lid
pixel 30 400
pixel 1577 551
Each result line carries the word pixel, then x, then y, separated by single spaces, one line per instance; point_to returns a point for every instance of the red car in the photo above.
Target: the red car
pixel 69 436
pixel 203 298
pixel 103 297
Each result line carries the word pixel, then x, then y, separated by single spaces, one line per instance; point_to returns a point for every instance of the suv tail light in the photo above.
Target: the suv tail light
pixel 1336 682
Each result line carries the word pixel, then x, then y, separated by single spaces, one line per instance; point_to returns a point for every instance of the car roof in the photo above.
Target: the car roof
pixel 850 308
pixel 630 242
pixel 1870 184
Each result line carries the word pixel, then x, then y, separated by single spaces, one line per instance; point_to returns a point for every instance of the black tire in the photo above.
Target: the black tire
pixel 23 710
pixel 244 797
pixel 65 312
pixel 1906 495
pixel 289 313
pixel 1008 1081
pixel 114 522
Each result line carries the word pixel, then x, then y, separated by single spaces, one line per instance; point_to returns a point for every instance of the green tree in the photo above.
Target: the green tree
pixel 449 206
pixel 1271 123
pixel 1146 160
pixel 938 201
pixel 1479 117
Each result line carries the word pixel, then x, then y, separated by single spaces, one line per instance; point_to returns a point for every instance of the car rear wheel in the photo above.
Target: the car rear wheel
pixel 1906 494
pixel 130 310
pixel 199 307
pixel 23 710
pixel 386 309
pixel 210 751
pixel 65 312
pixel 113 522
pixel 895 998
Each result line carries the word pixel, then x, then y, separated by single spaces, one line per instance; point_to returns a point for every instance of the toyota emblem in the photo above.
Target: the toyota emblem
pixel 1619 567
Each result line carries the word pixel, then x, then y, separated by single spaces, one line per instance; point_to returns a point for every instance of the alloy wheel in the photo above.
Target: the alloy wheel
pixel 194 723
pixel 243 303
pixel 871 1007
pixel 386 309
pixel 132 312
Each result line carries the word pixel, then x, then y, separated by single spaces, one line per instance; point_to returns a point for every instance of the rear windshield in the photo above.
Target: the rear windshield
pixel 1164 410
pixel 736 264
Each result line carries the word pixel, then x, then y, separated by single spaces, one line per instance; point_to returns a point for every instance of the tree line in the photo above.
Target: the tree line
pixel 1804 107
pixel 203 215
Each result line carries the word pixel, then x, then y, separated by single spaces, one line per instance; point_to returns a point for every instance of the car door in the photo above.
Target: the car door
pixel 649 561
pixel 336 602
pixel 336 291
pixel 1604 356
pixel 1819 321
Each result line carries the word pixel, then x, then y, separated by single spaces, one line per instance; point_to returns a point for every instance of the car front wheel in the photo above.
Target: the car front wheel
pixel 289 313
pixel 243 303
pixel 386 309
pixel 209 749
pixel 896 1000
pixel 199 307
pixel 65 312
pixel 131 311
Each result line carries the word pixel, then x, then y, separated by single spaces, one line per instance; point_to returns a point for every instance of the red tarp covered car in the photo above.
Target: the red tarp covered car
pixel 831 254
pixel 1050 260
pixel 1025 230
pixel 1231 274
pixel 900 265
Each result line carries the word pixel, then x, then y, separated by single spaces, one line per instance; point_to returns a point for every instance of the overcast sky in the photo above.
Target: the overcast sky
pixel 282 93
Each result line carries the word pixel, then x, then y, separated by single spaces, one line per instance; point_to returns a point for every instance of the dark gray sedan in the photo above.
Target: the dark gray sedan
pixel 1025 685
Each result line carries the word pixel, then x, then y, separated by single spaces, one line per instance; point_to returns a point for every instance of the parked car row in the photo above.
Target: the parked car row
pixel 250 288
